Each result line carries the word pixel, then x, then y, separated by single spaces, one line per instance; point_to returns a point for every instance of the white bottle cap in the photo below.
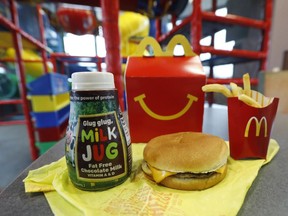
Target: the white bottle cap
pixel 92 80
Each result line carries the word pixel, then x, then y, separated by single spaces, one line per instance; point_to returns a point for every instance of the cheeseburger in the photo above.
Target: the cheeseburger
pixel 186 160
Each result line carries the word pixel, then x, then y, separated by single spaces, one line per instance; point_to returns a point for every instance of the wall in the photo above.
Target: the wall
pixel 279 35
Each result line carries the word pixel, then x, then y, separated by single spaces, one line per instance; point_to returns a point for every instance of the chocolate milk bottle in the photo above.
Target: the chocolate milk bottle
pixel 98 146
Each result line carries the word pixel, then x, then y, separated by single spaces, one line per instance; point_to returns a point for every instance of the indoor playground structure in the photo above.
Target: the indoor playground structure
pixel 31 40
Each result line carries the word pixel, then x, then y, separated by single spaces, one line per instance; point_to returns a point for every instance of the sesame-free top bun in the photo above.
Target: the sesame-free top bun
pixel 198 160
pixel 186 151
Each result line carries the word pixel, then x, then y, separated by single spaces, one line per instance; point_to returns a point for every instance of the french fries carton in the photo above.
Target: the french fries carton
pixel 250 127
pixel 163 92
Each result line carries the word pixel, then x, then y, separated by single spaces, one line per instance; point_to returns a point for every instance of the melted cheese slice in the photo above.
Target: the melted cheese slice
pixel 221 170
pixel 159 175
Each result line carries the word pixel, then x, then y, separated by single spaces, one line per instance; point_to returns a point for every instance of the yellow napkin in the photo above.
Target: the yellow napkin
pixel 139 196
pixel 40 180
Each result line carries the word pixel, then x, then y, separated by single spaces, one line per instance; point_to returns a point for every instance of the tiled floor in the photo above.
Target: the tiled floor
pixel 14 152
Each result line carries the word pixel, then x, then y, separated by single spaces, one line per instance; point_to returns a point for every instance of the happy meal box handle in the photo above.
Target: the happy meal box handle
pixel 179 40
pixel 176 40
pixel 148 41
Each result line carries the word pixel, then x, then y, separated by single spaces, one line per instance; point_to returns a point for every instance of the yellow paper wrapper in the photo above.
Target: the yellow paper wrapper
pixel 139 196
pixel 40 180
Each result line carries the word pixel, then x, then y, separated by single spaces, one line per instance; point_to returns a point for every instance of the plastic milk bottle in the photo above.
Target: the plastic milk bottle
pixel 98 146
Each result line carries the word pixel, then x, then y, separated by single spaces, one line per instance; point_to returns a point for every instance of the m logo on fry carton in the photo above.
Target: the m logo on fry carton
pixel 140 99
pixel 258 126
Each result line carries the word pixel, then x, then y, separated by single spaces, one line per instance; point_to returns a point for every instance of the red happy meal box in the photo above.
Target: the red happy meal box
pixel 163 91
pixel 250 127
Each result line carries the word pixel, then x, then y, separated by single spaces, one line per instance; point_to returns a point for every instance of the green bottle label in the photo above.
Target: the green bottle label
pixel 98 148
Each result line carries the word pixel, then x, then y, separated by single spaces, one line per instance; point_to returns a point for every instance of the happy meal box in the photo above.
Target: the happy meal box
pixel 250 127
pixel 163 91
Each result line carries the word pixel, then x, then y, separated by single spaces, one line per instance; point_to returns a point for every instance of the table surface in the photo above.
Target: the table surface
pixel 268 194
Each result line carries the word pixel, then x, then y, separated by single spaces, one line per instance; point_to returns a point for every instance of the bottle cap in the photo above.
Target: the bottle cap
pixel 92 80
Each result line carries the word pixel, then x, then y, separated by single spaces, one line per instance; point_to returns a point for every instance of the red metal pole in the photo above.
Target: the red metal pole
pixel 62 57
pixel 196 26
pixel 176 28
pixel 173 20
pixel 42 37
pixel 234 53
pixel 233 19
pixel 158 25
pixel 21 73
pixel 53 61
pixel 266 31
pixel 110 12
pixel 12 27
pixel 210 96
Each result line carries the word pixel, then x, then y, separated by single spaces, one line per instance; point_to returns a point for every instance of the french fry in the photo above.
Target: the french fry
pixel 249 100
pixel 236 90
pixel 246 84
pixel 217 88
pixel 243 95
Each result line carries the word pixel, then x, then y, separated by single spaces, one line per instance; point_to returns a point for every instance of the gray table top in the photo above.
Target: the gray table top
pixel 268 194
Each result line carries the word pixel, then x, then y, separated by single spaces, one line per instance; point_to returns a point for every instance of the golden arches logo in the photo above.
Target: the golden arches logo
pixel 258 126
pixel 143 105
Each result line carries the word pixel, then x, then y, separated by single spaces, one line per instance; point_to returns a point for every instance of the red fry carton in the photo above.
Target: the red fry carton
pixel 163 91
pixel 250 127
